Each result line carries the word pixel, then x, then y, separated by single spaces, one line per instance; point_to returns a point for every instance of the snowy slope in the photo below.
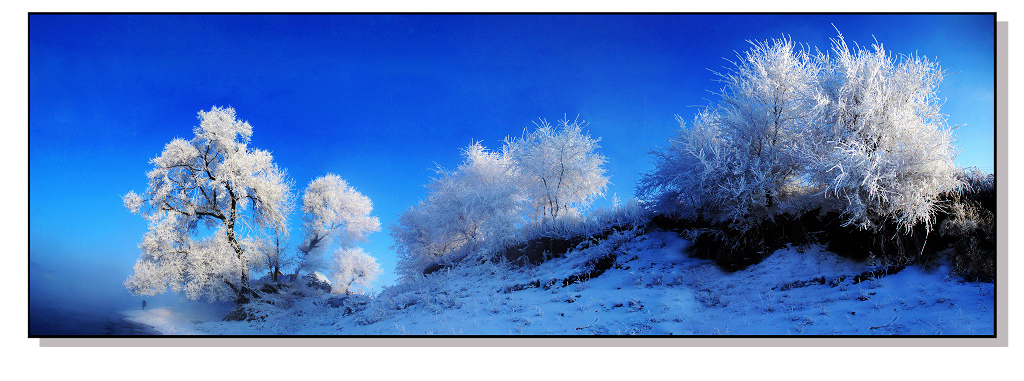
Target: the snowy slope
pixel 650 288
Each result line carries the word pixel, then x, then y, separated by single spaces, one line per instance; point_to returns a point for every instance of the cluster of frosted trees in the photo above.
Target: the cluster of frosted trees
pixel 217 209
pixel 545 177
pixel 856 130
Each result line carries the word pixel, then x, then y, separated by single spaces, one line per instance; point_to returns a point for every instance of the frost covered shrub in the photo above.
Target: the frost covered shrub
pixel 969 227
pixel 735 177
pixel 735 249
pixel 559 168
pixel 536 186
pixel 334 215
pixel 285 303
pixel 627 215
pixel 979 186
pixel 538 243
pixel 353 267
pixel 855 137
pixel 742 158
pixel 467 209
pixel 430 293
pixel 887 153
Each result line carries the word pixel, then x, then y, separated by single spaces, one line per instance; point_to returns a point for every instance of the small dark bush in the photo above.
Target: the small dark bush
pixel 886 244
pixel 968 227
pixel 592 269
pixel 735 249
pixel 962 232
pixel 678 225
pixel 538 250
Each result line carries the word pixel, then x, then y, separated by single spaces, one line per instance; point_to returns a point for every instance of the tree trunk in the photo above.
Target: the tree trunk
pixel 239 252
pixel 243 293
pixel 243 286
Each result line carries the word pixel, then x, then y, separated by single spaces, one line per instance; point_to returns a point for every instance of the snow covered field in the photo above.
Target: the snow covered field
pixel 650 288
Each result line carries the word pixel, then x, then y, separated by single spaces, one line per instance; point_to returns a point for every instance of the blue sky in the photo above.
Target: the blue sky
pixel 380 99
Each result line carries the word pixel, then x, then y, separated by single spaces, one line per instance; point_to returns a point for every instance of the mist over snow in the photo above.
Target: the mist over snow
pixel 82 298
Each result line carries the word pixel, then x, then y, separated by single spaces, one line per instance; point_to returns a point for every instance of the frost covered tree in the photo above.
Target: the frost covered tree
pixel 559 168
pixel 417 240
pixel 859 127
pixel 764 114
pixel 481 197
pixel 334 214
pixel 744 156
pixel 477 203
pixel 273 253
pixel 207 200
pixel 351 267
pixel 690 171
pixel 888 152
pixel 547 174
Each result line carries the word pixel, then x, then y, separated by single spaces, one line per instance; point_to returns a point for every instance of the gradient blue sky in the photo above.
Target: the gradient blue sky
pixel 379 99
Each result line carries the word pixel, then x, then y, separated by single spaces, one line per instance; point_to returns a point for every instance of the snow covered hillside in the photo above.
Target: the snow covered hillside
pixel 629 284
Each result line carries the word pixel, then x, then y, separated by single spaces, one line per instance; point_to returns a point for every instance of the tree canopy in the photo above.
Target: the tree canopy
pixel 213 183
pixel 857 130
pixel 218 209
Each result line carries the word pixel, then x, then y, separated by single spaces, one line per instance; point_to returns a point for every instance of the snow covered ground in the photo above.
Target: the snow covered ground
pixel 650 288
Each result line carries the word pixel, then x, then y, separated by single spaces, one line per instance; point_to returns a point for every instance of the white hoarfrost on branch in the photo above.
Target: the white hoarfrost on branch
pixel 888 153
pixel 132 201
pixel 560 169
pixel 859 132
pixel 468 209
pixel 764 116
pixel 207 203
pixel 334 214
pixel 743 158
pixel 353 267
pixel 533 185
pixel 686 180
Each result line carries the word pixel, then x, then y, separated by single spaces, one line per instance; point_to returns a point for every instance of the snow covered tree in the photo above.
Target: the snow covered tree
pixel 482 195
pixel 273 253
pixel 352 266
pixel 860 127
pixel 690 171
pixel 744 156
pixel 765 114
pixel 468 207
pixel 334 214
pixel 207 200
pixel 418 240
pixel 550 174
pixel 888 152
pixel 559 168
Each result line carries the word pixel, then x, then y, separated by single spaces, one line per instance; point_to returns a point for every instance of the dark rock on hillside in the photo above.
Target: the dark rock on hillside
pixel 349 304
pixel 273 288
pixel 317 281
pixel 243 313
pixel 337 301
pixel 434 268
